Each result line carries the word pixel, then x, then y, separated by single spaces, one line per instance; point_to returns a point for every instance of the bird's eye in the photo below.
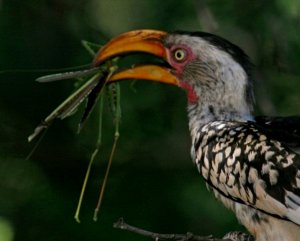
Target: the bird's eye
pixel 180 55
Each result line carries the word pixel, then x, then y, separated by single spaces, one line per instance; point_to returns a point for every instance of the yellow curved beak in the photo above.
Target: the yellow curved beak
pixel 146 41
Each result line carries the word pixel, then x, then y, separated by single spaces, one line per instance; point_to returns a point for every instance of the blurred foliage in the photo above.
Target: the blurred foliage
pixel 153 183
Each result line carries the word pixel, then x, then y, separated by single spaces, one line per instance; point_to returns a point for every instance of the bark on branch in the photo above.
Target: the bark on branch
pixel 121 224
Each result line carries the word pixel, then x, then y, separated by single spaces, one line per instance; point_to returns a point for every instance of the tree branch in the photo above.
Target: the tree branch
pixel 121 224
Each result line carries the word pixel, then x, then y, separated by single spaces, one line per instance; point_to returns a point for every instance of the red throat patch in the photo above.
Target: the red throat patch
pixel 191 95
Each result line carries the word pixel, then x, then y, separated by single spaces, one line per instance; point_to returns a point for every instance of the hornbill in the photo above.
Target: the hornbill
pixel 251 164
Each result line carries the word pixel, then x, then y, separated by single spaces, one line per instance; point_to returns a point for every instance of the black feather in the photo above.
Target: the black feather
pixel 283 129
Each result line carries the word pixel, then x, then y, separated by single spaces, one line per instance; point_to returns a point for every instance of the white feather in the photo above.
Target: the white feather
pixel 293 203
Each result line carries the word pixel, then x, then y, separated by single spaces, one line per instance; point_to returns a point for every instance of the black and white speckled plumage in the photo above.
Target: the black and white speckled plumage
pixel 252 173
pixel 252 165
pixel 238 160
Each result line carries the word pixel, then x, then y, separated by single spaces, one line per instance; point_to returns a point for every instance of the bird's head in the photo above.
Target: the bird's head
pixel 215 73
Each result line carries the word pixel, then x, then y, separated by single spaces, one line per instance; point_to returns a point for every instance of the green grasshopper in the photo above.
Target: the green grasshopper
pixel 92 90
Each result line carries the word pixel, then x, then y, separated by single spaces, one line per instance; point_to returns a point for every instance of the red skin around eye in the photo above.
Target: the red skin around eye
pixel 179 68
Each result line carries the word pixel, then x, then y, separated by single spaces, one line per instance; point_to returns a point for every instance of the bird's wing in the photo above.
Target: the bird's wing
pixel 286 131
pixel 255 163
pixel 283 129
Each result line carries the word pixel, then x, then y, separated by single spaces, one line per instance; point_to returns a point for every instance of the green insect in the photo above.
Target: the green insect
pixel 93 90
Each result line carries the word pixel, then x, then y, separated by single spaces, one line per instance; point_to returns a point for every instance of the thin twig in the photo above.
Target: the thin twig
pixel 121 224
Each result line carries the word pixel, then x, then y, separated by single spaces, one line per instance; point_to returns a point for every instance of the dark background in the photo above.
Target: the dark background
pixel 153 183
